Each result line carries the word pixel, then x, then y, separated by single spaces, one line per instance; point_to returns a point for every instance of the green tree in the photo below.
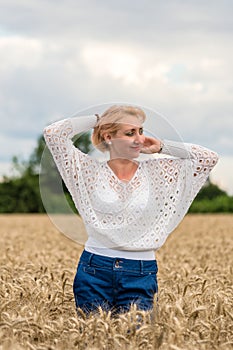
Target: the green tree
pixel 210 191
pixel 20 193
pixel 211 199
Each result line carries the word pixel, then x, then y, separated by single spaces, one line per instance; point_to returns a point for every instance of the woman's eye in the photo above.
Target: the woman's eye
pixel 131 133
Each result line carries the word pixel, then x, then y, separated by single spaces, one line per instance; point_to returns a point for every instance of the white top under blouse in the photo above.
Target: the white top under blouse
pixel 128 219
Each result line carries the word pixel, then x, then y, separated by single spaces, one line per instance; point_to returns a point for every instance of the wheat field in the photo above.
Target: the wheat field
pixel 194 310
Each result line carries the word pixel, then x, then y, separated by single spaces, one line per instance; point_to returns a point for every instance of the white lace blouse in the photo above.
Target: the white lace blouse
pixel 137 215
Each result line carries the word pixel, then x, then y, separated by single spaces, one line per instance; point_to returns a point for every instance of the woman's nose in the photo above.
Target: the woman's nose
pixel 139 138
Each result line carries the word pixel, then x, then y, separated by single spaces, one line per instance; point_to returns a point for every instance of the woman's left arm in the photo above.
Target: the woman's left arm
pixel 202 155
pixel 198 160
pixel 204 158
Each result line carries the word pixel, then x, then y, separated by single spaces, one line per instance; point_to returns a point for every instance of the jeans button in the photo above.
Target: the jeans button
pixel 117 264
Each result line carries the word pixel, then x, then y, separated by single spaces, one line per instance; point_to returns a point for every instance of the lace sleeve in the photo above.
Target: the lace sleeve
pixel 58 137
pixel 203 161
pixel 198 160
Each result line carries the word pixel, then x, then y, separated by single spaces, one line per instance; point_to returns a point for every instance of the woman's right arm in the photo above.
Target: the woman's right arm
pixel 60 133
pixel 58 137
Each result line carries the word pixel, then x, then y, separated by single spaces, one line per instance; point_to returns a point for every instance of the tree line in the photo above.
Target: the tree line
pixel 21 192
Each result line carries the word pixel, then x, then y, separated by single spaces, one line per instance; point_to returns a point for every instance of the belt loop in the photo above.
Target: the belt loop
pixel 141 266
pixel 90 258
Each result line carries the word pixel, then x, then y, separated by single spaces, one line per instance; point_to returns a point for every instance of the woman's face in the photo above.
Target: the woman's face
pixel 128 140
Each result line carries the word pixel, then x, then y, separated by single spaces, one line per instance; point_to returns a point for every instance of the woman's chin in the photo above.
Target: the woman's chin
pixel 136 154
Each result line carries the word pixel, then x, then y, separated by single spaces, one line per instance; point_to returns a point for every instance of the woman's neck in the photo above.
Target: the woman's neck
pixel 124 169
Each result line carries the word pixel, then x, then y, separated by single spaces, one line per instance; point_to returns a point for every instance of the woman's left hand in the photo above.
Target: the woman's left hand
pixel 151 145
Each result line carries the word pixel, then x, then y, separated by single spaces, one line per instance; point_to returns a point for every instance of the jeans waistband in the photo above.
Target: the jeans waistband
pixel 120 264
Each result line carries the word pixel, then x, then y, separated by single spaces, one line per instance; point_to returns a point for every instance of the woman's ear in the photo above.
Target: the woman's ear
pixel 107 137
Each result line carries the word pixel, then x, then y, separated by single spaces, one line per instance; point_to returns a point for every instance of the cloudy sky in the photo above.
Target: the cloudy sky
pixel 173 56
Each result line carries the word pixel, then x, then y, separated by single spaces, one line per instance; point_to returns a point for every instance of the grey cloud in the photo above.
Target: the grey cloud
pixel 174 32
pixel 121 20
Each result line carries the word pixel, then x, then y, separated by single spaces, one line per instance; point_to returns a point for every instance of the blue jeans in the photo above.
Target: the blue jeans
pixel 114 283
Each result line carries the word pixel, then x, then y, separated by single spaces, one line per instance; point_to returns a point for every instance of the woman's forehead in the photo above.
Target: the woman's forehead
pixel 130 122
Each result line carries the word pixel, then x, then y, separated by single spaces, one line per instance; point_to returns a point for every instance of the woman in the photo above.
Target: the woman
pixel 129 207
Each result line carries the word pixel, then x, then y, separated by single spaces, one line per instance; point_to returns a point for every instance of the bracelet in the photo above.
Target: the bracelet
pixel 161 146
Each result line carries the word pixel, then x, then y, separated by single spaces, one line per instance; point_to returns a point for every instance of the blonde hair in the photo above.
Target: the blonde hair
pixel 109 122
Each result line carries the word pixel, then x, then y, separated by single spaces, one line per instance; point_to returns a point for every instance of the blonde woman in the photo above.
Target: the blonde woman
pixel 129 207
